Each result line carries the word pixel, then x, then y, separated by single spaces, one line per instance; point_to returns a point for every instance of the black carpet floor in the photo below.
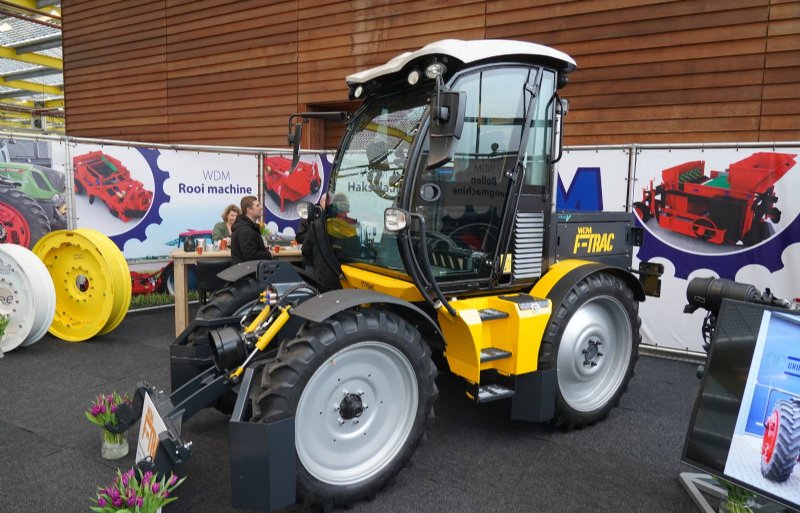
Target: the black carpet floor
pixel 475 460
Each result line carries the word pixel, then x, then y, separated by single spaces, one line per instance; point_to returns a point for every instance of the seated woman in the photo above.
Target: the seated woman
pixel 222 230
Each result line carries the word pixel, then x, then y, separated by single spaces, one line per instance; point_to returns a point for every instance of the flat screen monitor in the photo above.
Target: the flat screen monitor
pixel 745 426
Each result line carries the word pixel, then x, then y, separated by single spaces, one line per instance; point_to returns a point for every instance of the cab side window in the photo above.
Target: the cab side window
pixel 465 215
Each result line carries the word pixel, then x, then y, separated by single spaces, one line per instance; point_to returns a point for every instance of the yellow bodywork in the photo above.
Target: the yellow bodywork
pixel 356 278
pixel 466 334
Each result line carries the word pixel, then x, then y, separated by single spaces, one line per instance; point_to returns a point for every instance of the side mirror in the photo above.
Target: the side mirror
pixel 294 140
pixel 446 125
pixel 562 107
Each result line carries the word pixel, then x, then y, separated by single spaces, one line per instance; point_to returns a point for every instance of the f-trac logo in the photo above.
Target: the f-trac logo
pixel 593 243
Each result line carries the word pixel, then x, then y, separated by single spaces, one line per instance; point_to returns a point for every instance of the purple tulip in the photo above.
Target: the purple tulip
pixel 95 411
pixel 173 479
pixel 139 501
pixel 101 501
pixel 117 502
pixel 113 408
pixel 102 408
pixel 156 487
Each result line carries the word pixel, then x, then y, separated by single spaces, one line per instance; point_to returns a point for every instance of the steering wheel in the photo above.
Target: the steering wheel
pixel 437 241
pixel 485 235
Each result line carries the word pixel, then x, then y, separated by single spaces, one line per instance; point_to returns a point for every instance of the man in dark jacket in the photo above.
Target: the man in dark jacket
pixel 246 241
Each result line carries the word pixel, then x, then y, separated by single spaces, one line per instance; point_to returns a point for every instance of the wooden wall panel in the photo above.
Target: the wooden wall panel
pixel 230 72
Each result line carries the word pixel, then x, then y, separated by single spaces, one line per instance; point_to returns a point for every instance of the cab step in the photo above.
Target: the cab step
pixel 489 354
pixel 493 392
pixel 490 314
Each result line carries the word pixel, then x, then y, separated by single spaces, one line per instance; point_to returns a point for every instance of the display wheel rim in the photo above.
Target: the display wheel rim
pixel 770 436
pixel 45 293
pixel 14 283
pixel 350 425
pixel 121 277
pixel 80 274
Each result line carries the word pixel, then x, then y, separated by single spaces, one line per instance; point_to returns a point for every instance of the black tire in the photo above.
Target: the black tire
pixel 593 343
pixel 642 211
pixel 380 356
pixel 779 465
pixel 79 188
pixel 235 299
pixel 24 221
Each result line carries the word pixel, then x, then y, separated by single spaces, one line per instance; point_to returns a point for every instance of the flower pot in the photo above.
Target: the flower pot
pixel 115 445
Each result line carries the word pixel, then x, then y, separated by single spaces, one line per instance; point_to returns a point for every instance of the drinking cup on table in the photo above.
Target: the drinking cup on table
pixel 200 245
pixel 276 249
pixel 223 243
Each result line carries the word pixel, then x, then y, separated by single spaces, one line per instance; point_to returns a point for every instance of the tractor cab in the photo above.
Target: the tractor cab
pixel 447 168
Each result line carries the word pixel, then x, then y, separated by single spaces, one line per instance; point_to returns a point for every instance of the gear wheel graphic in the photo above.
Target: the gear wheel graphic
pixel 767 254
pixel 159 198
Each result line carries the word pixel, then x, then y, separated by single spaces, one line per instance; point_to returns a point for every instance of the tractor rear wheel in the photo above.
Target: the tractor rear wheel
pixel 780 447
pixel 361 389
pixel 593 343
pixel 22 219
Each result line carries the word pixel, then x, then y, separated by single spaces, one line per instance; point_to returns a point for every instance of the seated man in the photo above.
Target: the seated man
pixel 246 241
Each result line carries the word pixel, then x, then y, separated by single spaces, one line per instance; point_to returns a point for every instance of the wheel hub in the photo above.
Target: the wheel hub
pixel 351 407
pixel 591 353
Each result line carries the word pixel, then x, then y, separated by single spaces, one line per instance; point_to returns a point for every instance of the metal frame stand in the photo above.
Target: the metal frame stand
pixel 697 484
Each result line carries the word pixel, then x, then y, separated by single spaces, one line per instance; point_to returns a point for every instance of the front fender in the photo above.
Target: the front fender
pixel 324 306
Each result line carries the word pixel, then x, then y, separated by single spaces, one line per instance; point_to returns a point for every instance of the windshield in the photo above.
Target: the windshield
pixel 368 178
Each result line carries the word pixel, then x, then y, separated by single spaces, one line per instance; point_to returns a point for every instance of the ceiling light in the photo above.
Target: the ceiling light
pixel 5 27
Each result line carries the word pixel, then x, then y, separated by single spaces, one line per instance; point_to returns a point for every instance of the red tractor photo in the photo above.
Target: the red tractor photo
pixel 102 176
pixel 723 208
pixel 285 184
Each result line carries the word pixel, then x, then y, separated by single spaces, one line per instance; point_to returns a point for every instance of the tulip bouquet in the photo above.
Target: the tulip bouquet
pixel 130 493
pixel 104 414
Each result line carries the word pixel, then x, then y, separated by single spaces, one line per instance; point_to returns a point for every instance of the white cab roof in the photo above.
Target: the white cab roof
pixel 466 51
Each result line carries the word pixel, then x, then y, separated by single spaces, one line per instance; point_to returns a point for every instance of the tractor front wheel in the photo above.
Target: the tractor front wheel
pixel 780 447
pixel 361 389
pixel 22 219
pixel 592 342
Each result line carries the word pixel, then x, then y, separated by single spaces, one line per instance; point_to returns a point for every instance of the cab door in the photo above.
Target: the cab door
pixel 464 202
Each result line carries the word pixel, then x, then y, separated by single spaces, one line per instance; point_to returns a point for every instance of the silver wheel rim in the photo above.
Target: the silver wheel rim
pixel 594 353
pixel 334 444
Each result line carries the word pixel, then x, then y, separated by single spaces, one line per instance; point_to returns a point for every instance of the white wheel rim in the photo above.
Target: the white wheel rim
pixel 338 447
pixel 594 353
pixel 28 296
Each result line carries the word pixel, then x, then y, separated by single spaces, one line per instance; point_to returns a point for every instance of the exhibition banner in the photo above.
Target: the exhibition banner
pixel 593 179
pixel 148 200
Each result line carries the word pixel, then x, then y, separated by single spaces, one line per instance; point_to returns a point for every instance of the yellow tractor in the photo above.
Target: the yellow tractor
pixel 440 242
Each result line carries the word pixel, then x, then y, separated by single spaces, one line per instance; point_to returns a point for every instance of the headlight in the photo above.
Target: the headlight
pixel 413 77
pixel 435 69
pixel 303 210
pixel 395 220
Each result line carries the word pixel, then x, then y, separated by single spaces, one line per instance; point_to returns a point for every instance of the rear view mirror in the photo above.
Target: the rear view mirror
pixel 446 125
pixel 562 106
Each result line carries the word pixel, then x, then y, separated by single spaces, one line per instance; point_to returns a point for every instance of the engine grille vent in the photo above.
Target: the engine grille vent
pixel 528 245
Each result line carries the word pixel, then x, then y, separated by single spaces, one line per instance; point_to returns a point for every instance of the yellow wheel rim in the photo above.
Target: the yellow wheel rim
pixel 121 277
pixel 92 281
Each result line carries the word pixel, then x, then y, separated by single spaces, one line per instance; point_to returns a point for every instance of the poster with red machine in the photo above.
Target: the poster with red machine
pixel 726 212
